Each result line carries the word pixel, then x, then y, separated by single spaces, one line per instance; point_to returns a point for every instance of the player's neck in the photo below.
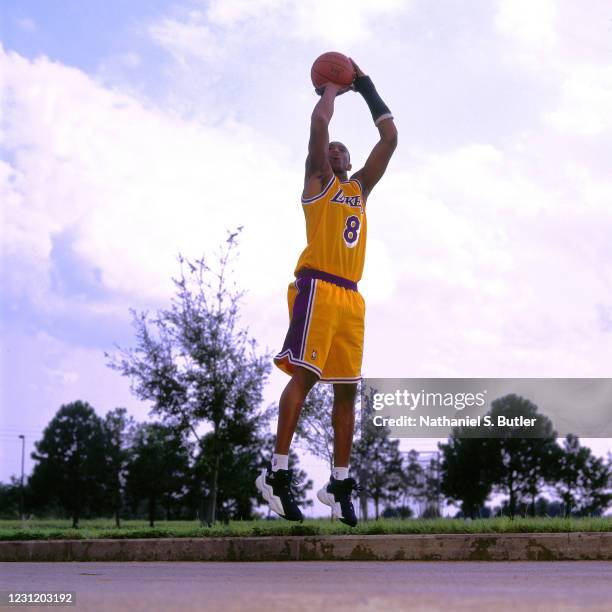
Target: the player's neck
pixel 343 176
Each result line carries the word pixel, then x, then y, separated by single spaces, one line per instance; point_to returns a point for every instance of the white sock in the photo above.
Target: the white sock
pixel 340 473
pixel 280 462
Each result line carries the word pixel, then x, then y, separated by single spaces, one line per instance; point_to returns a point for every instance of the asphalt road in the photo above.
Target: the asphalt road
pixel 318 586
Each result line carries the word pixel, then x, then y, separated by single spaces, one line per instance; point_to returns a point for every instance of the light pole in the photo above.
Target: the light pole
pixel 21 488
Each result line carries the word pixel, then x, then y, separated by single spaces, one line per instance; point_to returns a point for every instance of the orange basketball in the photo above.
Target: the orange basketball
pixel 332 67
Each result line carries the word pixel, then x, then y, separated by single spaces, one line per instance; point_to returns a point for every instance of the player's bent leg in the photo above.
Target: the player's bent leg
pixel 277 487
pixel 337 494
pixel 290 407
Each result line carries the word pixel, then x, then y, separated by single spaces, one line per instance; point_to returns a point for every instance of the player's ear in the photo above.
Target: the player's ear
pixel 350 166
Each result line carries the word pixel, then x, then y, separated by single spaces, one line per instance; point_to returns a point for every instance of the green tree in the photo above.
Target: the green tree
pixel 523 457
pixel 583 480
pixel 117 426
pixel 158 469
pixel 195 365
pixel 571 463
pixel 378 463
pixel 411 480
pixel 431 492
pixel 466 476
pixel 71 466
pixel 10 495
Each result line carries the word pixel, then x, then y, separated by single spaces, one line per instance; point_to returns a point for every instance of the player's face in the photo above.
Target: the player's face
pixel 339 157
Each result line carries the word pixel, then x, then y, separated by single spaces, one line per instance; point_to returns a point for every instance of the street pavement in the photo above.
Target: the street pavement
pixel 318 586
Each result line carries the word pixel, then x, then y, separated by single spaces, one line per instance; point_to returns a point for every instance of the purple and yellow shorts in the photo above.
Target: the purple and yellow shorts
pixel 326 326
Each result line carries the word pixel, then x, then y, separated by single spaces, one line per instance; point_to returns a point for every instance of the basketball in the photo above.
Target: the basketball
pixel 332 67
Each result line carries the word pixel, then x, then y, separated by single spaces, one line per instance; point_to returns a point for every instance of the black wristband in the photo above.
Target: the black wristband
pixel 378 108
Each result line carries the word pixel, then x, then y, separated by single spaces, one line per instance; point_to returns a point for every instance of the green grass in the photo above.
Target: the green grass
pixel 100 528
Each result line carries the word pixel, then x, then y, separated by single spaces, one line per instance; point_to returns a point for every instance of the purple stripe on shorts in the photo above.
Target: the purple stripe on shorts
pixel 299 318
pixel 326 276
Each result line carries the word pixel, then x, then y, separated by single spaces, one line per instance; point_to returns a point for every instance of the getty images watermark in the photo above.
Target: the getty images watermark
pixel 488 407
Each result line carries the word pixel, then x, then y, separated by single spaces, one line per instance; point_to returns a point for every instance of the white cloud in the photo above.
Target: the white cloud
pixel 586 100
pixel 135 186
pixel 224 26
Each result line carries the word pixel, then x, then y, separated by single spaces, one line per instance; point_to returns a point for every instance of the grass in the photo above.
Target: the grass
pixel 101 528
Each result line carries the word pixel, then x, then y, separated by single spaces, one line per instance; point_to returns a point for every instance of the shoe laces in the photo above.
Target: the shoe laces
pixel 288 481
pixel 348 485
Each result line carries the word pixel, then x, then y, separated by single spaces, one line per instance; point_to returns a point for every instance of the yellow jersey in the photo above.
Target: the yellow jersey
pixel 336 230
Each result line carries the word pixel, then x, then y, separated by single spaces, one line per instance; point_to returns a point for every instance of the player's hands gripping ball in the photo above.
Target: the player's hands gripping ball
pixel 332 67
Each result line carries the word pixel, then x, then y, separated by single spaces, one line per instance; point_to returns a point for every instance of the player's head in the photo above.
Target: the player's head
pixel 339 157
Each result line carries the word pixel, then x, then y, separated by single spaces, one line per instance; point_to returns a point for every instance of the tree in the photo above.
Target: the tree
pixel 522 457
pixel 117 426
pixel 431 491
pixel 158 469
pixel 71 466
pixel 466 475
pixel 194 364
pixel 376 459
pixel 584 480
pixel 411 478
pixel 10 495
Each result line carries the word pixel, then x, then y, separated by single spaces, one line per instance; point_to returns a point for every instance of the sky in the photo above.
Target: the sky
pixel 131 132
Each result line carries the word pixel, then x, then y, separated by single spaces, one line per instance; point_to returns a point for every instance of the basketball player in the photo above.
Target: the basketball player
pixel 325 338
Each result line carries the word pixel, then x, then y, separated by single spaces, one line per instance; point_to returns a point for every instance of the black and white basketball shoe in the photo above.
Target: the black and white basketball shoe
pixel 337 495
pixel 277 488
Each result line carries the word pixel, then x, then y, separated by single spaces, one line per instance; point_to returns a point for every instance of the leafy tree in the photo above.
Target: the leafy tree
pixel 71 468
pixel 411 478
pixel 466 475
pixel 431 491
pixel 158 469
pixel 523 457
pixel 376 459
pixel 595 490
pixel 195 365
pixel 117 426
pixel 571 464
pixel 241 454
pixel 10 495
pixel 378 463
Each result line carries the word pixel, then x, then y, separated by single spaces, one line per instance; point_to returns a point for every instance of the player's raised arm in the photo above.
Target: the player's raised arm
pixel 318 169
pixel 377 162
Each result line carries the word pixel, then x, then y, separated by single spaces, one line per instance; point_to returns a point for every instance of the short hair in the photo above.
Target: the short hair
pixel 341 143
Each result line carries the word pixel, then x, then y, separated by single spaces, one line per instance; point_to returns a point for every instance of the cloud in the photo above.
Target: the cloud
pixel 104 191
pixel 220 27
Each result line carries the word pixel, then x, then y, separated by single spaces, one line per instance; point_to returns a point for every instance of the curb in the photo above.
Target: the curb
pixel 574 546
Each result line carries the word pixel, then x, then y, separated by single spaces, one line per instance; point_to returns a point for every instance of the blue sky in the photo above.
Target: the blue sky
pixel 132 131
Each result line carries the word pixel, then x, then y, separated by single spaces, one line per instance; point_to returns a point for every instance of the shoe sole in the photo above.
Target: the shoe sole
pixel 267 492
pixel 329 500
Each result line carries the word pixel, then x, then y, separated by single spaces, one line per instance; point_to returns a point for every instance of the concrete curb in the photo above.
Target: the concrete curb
pixel 440 547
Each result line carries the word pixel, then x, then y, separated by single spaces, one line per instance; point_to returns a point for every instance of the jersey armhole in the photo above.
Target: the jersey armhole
pixel 320 195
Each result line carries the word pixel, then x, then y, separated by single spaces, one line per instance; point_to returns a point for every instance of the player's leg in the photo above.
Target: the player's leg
pixel 337 493
pixel 290 406
pixel 343 422
pixel 275 483
pixel 343 368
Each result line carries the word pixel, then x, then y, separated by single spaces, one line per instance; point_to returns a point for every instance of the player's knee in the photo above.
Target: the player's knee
pixel 304 380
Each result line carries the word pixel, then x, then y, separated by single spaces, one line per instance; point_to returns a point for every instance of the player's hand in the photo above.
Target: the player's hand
pixel 358 71
pixel 339 90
